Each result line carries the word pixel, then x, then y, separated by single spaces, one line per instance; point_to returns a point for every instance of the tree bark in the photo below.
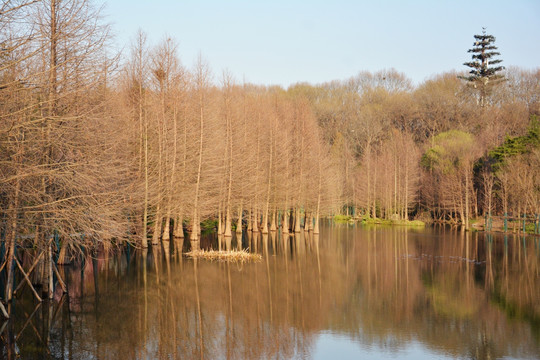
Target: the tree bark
pixel 285 228
pixel 297 221
pixel 11 242
pixel 239 224
pixel 178 227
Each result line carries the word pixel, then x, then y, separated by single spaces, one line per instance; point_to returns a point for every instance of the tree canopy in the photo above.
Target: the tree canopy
pixel 485 68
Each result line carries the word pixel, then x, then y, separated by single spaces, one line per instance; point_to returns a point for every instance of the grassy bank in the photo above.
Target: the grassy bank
pixel 372 221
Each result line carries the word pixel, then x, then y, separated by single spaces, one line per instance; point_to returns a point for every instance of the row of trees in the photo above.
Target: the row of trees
pixel 238 152
pixel 96 148
pixel 63 160
pixel 428 149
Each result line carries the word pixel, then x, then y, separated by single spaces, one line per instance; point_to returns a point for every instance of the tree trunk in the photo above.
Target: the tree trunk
pixel 285 229
pixel 255 226
pixel 178 245
pixel 265 222
pixel 63 255
pixel 406 201
pixel 228 223
pixel 167 229
pixel 194 236
pixel 467 206
pixel 201 84
pixel 297 221
pixel 50 270
pixel 144 240
pixel 249 223
pixel 157 226
pixel 307 220
pixel 45 272
pixel 273 226
pixel 239 224
pixel 178 227
pixel 11 243
pixel 316 226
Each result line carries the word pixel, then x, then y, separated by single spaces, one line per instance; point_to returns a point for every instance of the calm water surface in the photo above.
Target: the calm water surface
pixel 351 292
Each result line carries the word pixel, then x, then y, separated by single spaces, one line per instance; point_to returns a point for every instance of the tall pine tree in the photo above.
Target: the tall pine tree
pixel 484 73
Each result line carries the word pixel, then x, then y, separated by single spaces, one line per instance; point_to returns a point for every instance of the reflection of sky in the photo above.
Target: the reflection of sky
pixel 332 346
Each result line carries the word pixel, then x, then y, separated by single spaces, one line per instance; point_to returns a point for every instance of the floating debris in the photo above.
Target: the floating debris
pixel 236 256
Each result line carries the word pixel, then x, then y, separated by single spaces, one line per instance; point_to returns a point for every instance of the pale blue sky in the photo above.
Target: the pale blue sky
pixel 284 42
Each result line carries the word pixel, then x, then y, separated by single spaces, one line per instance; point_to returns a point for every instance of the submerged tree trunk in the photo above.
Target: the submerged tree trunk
pixel 467 206
pixel 255 225
pixel 50 271
pixel 265 222
pixel 157 226
pixel 166 236
pixel 228 224
pixel 319 185
pixel 297 221
pixel 220 222
pixel 307 220
pixel 11 242
pixel 239 224
pixel 249 222
pixel 461 201
pixel 273 226
pixel 63 254
pixel 178 245
pixel 406 201
pixel 286 221
pixel 178 227
pixel 195 228
pixel 45 274
pixel 316 225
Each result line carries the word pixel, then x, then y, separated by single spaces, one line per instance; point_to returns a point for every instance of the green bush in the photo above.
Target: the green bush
pixel 371 221
pixel 342 218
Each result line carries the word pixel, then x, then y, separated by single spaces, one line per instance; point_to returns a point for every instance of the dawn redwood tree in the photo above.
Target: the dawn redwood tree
pixel 243 154
pixel 135 89
pixel 227 117
pixel 168 80
pixel 14 99
pixel 201 83
pixel 74 131
pixel 57 133
pixel 485 71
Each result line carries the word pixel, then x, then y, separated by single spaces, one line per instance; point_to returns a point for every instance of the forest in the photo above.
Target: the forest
pixel 99 147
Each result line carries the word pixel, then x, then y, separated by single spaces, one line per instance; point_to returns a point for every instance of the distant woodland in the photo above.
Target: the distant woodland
pixel 97 146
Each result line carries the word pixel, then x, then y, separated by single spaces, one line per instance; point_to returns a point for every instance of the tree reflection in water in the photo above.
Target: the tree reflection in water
pixel 458 294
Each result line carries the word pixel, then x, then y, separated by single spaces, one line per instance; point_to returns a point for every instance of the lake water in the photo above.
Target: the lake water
pixel 352 292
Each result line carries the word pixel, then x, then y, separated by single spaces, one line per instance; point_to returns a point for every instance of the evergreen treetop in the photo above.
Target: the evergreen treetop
pixel 485 70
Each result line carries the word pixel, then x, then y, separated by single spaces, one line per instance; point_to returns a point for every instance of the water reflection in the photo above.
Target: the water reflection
pixel 438 291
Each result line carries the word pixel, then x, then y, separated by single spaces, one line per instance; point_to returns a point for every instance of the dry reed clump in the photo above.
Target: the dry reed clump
pixel 236 256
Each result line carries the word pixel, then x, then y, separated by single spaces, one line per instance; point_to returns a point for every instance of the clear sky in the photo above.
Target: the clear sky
pixel 287 41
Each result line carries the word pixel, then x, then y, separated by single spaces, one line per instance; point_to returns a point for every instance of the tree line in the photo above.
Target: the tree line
pixel 445 150
pixel 98 147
